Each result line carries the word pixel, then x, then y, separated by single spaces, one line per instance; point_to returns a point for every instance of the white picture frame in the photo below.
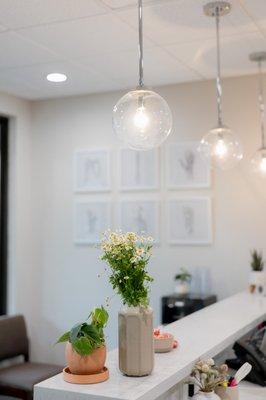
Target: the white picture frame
pixel 190 221
pixel 92 170
pixel 185 168
pixel 140 216
pixel 91 219
pixel 139 170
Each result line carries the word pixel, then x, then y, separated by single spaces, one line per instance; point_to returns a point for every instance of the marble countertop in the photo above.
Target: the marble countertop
pixel 202 334
pixel 249 391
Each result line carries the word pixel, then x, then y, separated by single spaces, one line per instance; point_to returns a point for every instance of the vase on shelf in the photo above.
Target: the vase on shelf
pixel 205 396
pixel 257 278
pixel 181 288
pixel 182 282
pixel 257 281
pixel 136 345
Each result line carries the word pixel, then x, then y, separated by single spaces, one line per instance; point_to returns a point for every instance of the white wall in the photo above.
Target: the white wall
pixel 65 285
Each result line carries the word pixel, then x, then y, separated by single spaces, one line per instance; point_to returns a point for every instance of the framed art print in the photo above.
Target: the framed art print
pixel 185 169
pixel 141 217
pixel 92 170
pixel 139 170
pixel 189 221
pixel 91 219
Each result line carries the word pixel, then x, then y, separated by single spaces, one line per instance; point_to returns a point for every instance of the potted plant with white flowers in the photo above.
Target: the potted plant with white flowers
pixel 128 255
pixel 257 275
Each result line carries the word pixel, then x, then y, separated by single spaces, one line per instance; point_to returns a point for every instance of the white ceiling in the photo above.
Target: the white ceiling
pixel 94 42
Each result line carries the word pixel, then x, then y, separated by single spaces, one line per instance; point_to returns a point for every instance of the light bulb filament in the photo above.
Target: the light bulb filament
pixel 221 149
pixel 141 119
pixel 263 164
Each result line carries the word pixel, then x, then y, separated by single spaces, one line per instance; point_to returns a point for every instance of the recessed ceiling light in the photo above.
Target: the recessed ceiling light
pixel 56 77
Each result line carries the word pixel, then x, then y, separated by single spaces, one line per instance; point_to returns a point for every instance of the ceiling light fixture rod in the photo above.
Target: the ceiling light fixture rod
pixel 218 78
pixel 217 9
pixel 261 105
pixel 140 15
pixel 259 57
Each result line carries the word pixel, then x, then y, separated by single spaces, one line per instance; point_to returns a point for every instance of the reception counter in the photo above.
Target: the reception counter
pixel 202 334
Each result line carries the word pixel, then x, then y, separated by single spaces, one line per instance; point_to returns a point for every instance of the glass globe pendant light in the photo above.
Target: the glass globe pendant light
pixel 142 119
pixel 258 161
pixel 220 146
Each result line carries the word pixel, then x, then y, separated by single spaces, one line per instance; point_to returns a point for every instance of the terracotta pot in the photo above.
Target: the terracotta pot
pixel 136 347
pixel 85 365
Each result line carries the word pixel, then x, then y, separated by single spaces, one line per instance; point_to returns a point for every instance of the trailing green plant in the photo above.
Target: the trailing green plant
pixel 128 255
pixel 88 335
pixel 183 276
pixel 257 263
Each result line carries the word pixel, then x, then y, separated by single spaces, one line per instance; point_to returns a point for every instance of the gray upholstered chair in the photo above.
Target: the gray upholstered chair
pixel 18 380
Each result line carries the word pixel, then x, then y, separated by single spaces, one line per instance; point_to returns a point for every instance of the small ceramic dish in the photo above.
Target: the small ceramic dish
pixel 163 343
pixel 85 379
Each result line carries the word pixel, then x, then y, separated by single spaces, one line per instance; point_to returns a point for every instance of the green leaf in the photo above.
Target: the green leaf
pixel 92 332
pixel 83 346
pixel 75 332
pixel 100 317
pixel 64 338
pixel 85 337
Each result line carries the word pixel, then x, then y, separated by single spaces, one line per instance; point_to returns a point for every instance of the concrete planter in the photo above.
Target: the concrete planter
pixel 136 348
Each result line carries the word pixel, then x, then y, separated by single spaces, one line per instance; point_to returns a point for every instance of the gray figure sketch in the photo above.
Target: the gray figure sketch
pixel 189 220
pixel 140 220
pixel 92 170
pixel 91 221
pixel 187 162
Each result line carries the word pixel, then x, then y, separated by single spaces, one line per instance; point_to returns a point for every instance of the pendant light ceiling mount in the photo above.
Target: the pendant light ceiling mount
pixel 217 7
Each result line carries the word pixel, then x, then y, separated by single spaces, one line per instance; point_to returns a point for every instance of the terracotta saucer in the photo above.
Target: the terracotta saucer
pixel 85 379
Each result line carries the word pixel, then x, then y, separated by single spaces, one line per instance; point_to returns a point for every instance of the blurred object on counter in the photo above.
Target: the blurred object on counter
pixel 182 282
pixel 175 307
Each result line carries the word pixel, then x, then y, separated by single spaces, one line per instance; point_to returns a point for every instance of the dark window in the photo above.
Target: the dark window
pixel 3 213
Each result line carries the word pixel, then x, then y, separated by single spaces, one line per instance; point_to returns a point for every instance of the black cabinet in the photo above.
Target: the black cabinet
pixel 176 306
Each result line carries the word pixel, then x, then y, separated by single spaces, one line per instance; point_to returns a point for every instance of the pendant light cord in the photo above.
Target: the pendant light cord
pixel 262 106
pixel 141 82
pixel 218 78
